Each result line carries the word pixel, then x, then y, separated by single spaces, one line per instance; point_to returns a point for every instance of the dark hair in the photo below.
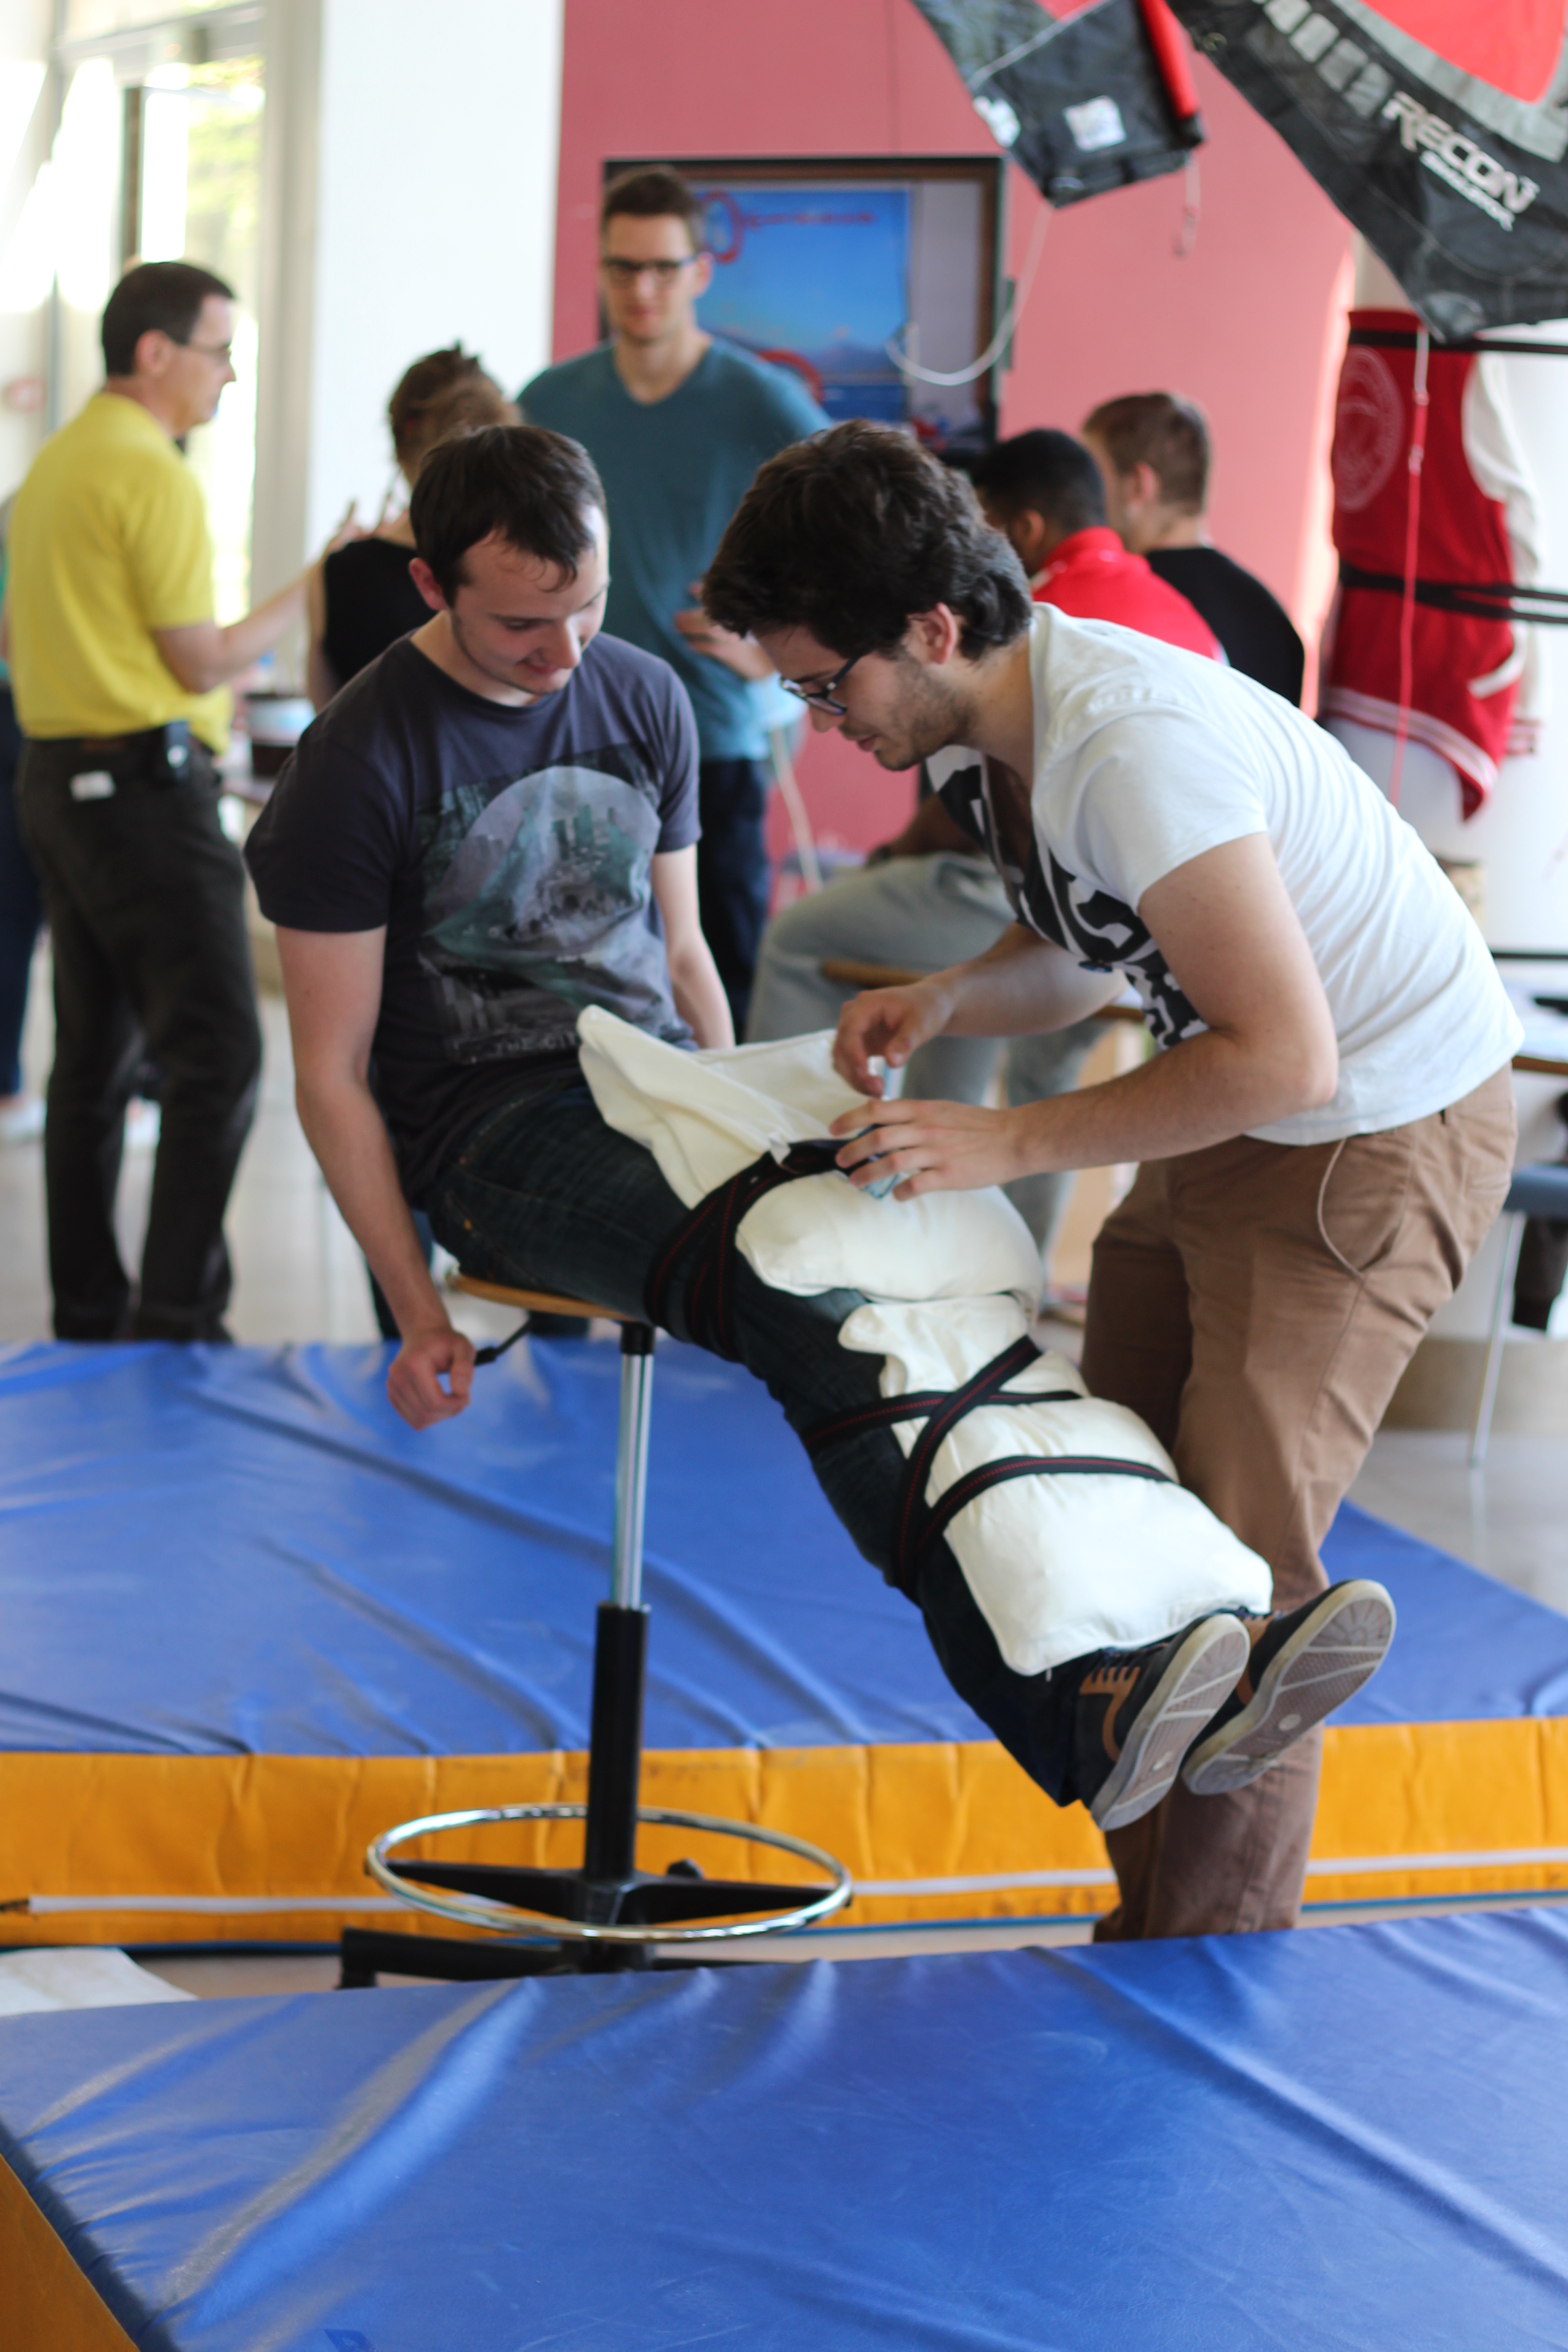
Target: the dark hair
pixel 1162 430
pixel 848 534
pixel 653 193
pixel 156 296
pixel 444 393
pixel 533 488
pixel 1050 473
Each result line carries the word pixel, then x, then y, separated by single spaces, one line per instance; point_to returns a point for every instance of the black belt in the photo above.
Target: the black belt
pixel 159 755
pixel 706 1239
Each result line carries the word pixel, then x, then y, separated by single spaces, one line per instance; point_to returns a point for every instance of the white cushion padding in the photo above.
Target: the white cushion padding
pixel 706 1115
pixel 1058 1567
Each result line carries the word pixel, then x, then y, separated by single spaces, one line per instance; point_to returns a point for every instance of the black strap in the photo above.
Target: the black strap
pixel 917 1524
pixel 1403 339
pixel 704 1243
pixel 705 1240
pixel 1478 600
pixel 492 1355
pixel 939 1514
pixel 914 1405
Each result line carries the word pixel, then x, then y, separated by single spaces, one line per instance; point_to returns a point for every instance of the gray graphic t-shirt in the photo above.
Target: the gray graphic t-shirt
pixel 510 854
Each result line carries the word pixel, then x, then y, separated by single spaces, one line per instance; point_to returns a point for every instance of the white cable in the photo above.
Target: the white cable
pixel 999 341
pixel 1192 199
pixel 799 822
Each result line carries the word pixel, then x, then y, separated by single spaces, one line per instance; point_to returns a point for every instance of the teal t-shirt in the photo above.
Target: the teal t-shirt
pixel 674 471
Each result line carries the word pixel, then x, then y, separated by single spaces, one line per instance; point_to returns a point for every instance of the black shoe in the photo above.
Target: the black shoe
pixel 1137 1713
pixel 1303 1665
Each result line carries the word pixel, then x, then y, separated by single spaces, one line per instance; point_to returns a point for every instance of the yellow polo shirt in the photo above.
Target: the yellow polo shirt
pixel 109 542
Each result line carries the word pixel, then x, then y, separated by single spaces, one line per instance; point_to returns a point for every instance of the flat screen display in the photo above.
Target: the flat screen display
pixel 840 270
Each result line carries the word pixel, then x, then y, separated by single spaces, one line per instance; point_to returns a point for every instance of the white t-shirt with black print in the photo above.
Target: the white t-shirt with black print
pixel 1144 758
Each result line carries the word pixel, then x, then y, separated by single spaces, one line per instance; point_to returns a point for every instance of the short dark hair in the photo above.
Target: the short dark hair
pixel 155 297
pixel 1163 430
pixel 848 534
pixel 1049 472
pixel 654 192
pixel 535 490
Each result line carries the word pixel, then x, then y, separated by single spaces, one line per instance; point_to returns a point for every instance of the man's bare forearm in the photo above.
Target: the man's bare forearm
pixel 1204 1091
pixel 1021 986
pixel 346 1132
pixel 699 996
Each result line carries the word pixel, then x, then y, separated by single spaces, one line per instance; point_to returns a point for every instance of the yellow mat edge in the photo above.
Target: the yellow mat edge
pixel 48 2304
pixel 1407 1809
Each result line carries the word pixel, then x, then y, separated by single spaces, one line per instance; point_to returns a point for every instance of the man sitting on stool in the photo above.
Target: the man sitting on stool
pixel 927 898
pixel 485 832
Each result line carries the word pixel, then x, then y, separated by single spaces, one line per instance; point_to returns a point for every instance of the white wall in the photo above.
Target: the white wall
pixel 410 202
pixel 26 102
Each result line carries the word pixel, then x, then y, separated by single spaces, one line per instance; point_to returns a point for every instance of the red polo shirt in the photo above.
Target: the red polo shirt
pixel 1092 576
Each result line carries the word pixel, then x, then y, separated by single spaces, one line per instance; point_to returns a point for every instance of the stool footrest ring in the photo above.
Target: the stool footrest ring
pixel 642 1892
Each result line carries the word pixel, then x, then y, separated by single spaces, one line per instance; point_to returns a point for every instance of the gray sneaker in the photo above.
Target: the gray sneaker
pixel 1303 1664
pixel 1137 1713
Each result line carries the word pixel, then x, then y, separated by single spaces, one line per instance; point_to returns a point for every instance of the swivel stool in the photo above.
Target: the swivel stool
pixel 607 1914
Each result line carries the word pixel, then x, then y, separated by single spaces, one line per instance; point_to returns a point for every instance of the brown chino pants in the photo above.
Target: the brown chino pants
pixel 1257 1303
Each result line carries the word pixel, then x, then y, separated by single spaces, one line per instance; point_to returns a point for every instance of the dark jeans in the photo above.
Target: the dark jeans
pixel 542 1194
pixel 733 878
pixel 146 906
pixel 21 908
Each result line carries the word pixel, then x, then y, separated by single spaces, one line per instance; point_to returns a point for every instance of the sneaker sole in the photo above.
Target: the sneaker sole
pixel 1196 1683
pixel 1325 1662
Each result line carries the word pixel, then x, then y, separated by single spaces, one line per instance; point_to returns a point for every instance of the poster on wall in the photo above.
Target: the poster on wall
pixel 874 282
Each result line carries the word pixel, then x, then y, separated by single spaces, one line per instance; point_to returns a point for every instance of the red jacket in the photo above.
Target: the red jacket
pixel 1464 679
pixel 1092 576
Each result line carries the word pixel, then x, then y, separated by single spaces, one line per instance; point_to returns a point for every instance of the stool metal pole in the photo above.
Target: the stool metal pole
pixel 1512 1241
pixel 620 1639
pixel 608 1914
pixel 631 1463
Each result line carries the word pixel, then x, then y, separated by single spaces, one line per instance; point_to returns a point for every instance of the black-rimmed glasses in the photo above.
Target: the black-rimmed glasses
pixel 627 273
pixel 823 698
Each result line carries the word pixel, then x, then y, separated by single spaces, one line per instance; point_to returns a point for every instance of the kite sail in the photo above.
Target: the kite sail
pixel 1439 128
pixel 1083 103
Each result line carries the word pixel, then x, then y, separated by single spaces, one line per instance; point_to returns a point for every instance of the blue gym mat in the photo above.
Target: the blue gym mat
pixel 235 1552
pixel 1329 2141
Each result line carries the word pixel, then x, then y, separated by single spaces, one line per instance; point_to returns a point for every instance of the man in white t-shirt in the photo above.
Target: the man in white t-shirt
pixel 1327 1132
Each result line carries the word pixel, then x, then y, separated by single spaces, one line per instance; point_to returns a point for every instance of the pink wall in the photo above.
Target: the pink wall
pixel 1249 323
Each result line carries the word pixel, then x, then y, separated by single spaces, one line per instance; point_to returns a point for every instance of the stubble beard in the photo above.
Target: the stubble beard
pixel 936 716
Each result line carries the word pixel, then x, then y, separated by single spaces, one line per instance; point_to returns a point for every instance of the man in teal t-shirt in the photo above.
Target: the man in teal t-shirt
pixel 678 425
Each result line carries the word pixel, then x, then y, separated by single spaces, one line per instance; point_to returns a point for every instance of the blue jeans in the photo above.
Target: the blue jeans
pixel 542 1194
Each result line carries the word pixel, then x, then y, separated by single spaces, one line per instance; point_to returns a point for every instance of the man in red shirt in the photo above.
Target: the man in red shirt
pixel 1044 492
pixel 921 898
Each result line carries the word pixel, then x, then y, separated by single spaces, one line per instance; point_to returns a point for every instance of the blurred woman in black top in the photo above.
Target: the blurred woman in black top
pixel 362 599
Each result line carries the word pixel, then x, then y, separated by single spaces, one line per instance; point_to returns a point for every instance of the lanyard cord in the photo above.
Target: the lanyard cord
pixel 1412 538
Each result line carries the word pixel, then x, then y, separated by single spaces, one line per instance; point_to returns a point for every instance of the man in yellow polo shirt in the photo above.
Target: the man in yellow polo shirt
pixel 119 672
